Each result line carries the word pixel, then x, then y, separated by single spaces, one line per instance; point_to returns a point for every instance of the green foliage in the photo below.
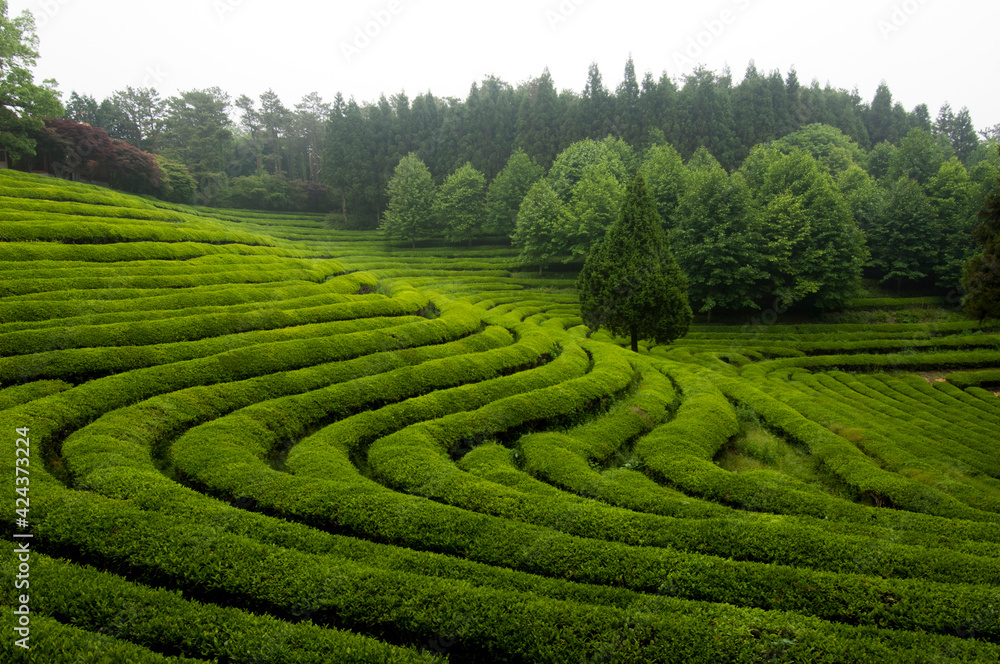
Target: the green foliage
pixel 828 145
pixel 198 133
pixel 460 204
pixel 411 192
pixel 614 154
pixel 176 183
pixel 816 248
pixel 24 106
pixel 717 241
pixel 864 197
pixel 507 190
pixel 905 245
pixel 666 179
pixel 594 205
pixel 981 278
pixel 881 160
pixel 919 158
pixel 950 193
pixel 340 464
pixel 544 227
pixel 631 283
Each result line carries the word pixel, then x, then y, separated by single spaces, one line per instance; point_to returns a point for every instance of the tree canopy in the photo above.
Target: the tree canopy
pixel 24 105
pixel 631 283
pixel 981 279
pixel 411 201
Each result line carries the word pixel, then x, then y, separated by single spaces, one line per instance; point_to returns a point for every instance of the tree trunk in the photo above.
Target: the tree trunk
pixel 540 266
pixel 343 205
pixel 635 340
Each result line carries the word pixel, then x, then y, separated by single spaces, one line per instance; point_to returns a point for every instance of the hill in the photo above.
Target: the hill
pixel 245 437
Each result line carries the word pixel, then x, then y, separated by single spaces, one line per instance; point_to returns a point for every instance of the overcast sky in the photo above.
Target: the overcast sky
pixel 928 51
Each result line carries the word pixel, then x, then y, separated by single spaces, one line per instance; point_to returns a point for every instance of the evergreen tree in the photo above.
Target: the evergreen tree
pixel 708 118
pixel 411 201
pixel 491 114
pixel 964 139
pixel 274 119
pixel 879 117
pixel 981 279
pixel 198 133
pixel 628 121
pixel 460 204
pixel 631 283
pixel 596 107
pixel 537 125
pixel 658 107
pixel 753 111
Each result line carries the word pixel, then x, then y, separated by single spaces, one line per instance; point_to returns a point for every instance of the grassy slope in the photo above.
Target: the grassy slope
pixel 416 455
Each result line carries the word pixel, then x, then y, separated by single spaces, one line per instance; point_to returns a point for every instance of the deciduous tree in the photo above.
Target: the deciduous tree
pixel 460 204
pixel 507 190
pixel 543 228
pixel 24 106
pixel 981 279
pixel 411 201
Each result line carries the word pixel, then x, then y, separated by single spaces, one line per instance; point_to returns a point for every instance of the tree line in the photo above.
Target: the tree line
pixel 326 155
pixel 801 220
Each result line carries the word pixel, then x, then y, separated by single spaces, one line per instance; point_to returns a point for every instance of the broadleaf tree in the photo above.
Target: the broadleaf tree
pixel 718 243
pixel 411 193
pixel 981 279
pixel 460 204
pixel 508 189
pixel 24 105
pixel 631 283
pixel 544 227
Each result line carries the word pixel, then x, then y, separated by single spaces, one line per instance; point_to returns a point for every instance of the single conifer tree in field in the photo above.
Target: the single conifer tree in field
pixel 631 283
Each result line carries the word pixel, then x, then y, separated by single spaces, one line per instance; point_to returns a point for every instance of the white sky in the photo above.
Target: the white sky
pixel 928 51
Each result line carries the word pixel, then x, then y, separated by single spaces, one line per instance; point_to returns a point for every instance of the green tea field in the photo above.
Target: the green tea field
pixel 244 437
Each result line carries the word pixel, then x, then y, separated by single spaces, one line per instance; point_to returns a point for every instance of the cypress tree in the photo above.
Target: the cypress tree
pixel 631 283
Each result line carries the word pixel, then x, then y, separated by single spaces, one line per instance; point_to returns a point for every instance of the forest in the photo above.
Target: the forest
pixel 771 191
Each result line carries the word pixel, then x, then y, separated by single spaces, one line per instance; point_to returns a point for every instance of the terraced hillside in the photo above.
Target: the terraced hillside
pixel 248 438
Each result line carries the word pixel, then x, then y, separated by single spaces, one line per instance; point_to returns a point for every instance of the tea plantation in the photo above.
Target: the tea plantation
pixel 246 437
